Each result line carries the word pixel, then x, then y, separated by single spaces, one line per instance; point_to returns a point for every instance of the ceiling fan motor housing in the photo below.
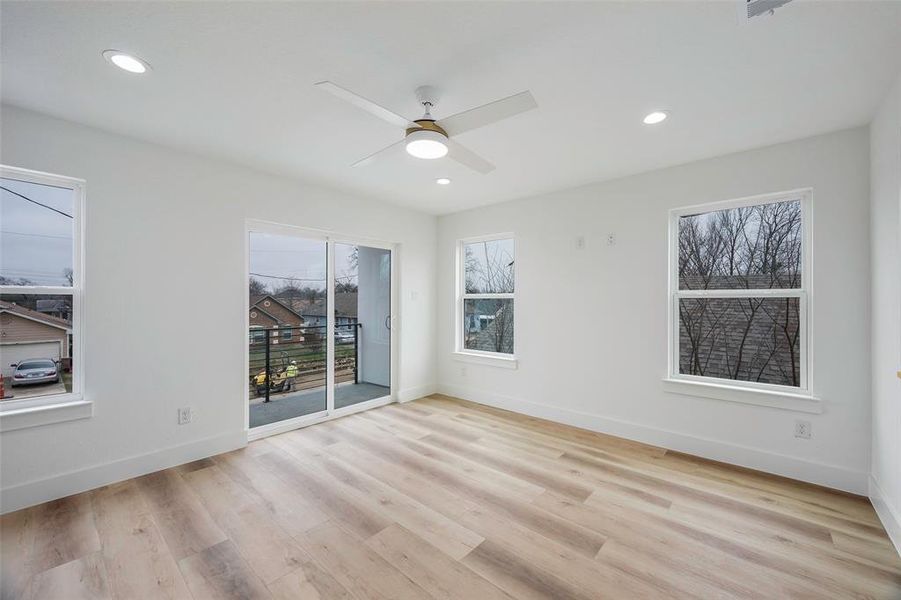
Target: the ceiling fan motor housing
pixel 428 125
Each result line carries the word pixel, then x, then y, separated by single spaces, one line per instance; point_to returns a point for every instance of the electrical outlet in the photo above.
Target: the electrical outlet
pixel 462 371
pixel 580 242
pixel 184 415
pixel 611 239
pixel 802 429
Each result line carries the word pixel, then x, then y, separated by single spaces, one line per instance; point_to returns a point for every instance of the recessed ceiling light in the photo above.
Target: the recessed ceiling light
pixel 655 117
pixel 442 181
pixel 126 62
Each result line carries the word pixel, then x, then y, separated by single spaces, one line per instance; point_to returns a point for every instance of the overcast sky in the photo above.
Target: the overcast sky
pixel 283 258
pixel 35 242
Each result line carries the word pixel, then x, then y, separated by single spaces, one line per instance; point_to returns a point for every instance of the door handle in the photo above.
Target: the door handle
pixel 388 322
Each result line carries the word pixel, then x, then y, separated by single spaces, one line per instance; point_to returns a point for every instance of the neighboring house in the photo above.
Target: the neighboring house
pixel 314 311
pixel 55 307
pixel 268 312
pixel 26 333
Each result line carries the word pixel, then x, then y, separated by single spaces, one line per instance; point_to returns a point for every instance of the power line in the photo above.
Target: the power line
pixel 35 201
pixel 299 278
pixel 43 235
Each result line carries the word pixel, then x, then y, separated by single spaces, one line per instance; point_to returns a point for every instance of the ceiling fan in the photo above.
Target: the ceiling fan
pixel 430 139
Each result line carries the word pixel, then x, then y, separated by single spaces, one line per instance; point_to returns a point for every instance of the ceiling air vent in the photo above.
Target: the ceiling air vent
pixel 755 8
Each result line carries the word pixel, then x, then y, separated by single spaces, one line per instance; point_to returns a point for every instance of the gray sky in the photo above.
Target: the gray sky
pixel 35 242
pixel 284 257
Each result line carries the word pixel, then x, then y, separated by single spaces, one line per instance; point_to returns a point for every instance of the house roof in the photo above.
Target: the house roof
pixel 13 308
pixel 259 310
pixel 345 305
pixel 255 302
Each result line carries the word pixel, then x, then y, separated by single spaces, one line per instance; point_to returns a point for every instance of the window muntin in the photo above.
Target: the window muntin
pixel 486 281
pixel 40 281
pixel 740 293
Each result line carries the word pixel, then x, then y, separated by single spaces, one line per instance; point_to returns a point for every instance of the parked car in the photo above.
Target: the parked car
pixel 35 370
pixel 344 336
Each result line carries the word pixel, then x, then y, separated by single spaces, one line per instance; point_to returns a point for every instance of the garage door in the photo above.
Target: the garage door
pixel 13 353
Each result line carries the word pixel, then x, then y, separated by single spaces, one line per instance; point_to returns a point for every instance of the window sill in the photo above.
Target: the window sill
pixel 504 362
pixel 798 402
pixel 43 411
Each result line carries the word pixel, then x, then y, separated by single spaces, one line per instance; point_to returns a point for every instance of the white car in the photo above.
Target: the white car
pixel 344 336
pixel 35 370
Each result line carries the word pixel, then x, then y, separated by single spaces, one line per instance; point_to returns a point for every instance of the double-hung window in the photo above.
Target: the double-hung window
pixel 740 293
pixel 40 290
pixel 485 292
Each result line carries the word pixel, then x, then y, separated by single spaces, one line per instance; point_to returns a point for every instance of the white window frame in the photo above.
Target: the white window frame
pixel 31 412
pixel 498 359
pixel 778 396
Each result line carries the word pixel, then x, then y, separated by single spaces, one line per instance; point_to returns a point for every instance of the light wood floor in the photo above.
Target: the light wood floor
pixel 445 499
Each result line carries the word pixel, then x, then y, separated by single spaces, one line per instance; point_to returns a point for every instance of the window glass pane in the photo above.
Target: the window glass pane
pixel 35 345
pixel 287 337
pixel 488 267
pixel 36 231
pixel 488 325
pixel 752 247
pixel 747 339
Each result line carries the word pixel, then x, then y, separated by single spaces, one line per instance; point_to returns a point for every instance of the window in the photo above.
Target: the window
pixel 40 288
pixel 287 334
pixel 486 288
pixel 739 285
pixel 257 333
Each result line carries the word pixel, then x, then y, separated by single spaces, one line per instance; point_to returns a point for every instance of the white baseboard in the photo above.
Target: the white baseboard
pixel 414 393
pixel 779 464
pixel 891 520
pixel 82 480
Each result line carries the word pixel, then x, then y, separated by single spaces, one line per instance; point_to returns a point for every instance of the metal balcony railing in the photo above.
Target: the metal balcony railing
pixel 284 359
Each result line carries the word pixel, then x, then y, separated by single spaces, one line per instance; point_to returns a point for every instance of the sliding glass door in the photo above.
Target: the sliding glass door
pixel 362 324
pixel 319 335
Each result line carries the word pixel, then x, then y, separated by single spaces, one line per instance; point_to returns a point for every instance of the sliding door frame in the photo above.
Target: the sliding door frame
pixel 330 238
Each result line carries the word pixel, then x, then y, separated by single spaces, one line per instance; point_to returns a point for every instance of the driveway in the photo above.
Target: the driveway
pixel 32 391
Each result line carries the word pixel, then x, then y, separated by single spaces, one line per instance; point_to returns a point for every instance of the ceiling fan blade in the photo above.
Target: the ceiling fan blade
pixel 468 158
pixel 361 102
pixel 375 155
pixel 488 113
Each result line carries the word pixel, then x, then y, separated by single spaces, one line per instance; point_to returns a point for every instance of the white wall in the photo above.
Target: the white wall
pixel 591 324
pixel 165 297
pixel 885 222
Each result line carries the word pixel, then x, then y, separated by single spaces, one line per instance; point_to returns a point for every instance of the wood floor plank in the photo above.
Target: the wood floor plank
pixel 137 559
pixel 279 499
pixel 357 567
pixel 184 523
pixel 81 579
pixel 482 491
pixel 308 582
pixel 219 573
pixel 437 573
pixel 442 498
pixel 442 532
pixel 65 531
pixel 357 515
pixel 269 551
pixel 17 532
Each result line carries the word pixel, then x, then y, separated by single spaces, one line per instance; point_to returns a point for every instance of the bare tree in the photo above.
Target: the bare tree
pixel 756 338
pixel 489 270
pixel 257 287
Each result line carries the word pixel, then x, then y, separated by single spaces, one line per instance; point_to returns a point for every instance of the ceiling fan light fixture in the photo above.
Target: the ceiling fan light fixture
pixel 426 144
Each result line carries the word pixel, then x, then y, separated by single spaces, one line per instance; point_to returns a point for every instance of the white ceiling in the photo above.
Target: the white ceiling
pixel 235 80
